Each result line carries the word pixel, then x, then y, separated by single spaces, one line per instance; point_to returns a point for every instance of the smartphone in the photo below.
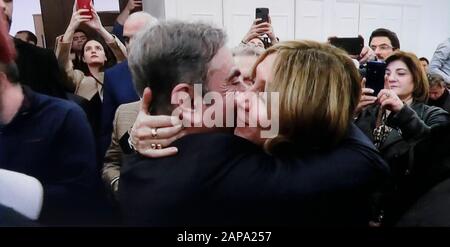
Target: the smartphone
pixel 353 46
pixel 85 4
pixel 376 71
pixel 262 13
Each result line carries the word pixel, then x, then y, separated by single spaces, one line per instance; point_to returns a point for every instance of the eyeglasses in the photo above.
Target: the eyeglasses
pixel 383 47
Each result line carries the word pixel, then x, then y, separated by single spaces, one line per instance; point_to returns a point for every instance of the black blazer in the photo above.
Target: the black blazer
pixel 220 179
pixel 39 69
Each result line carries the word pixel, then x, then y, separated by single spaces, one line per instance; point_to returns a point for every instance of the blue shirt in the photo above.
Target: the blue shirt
pixel 50 139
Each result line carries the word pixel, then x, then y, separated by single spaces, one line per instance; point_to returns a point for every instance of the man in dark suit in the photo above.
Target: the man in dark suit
pixel 222 179
pixel 118 85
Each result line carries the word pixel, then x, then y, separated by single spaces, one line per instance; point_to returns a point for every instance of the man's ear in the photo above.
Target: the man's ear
pixel 183 99
pixel 182 96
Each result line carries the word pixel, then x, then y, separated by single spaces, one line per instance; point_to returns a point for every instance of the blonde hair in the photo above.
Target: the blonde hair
pixel 319 88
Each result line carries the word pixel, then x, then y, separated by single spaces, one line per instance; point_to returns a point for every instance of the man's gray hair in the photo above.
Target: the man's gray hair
pixel 170 53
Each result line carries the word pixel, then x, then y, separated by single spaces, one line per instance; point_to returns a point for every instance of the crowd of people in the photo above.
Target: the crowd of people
pixel 159 123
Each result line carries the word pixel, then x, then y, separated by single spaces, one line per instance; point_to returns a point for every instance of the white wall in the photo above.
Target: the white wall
pixel 423 23
pixel 23 15
pixel 435 26
pixel 24 10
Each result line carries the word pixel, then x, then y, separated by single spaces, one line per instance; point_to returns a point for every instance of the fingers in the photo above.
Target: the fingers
pixel 146 133
pixel 161 121
pixel 386 82
pixel 159 153
pixel 256 21
pixel 146 100
pixel 368 91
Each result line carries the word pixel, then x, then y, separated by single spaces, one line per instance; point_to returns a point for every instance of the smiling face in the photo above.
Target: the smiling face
pixel 400 79
pixel 94 54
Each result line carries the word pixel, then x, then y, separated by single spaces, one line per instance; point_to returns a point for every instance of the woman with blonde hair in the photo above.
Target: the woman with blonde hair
pixel 397 121
pixel 318 88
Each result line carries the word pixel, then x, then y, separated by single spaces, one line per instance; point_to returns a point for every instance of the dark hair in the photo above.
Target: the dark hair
pixel 436 80
pixel 30 36
pixel 424 59
pixel 172 52
pixel 80 31
pixel 420 80
pixel 108 53
pixel 383 32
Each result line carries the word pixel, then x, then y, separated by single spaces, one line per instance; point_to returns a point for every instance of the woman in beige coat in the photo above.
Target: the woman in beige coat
pixel 94 55
pixel 89 85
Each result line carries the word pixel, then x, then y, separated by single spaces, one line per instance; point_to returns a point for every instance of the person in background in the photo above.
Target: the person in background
pixel 89 86
pixel 261 34
pixel 46 138
pixel 26 36
pixel 38 67
pixel 131 7
pixel 118 84
pixel 439 94
pixel 383 42
pixel 396 121
pixel 440 63
pixel 425 63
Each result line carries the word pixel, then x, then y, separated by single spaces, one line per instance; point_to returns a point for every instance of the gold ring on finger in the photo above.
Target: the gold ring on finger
pixel 154 132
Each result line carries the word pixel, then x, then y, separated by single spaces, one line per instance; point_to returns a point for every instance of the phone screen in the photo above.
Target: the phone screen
pixel 352 46
pixel 262 13
pixel 84 4
pixel 375 76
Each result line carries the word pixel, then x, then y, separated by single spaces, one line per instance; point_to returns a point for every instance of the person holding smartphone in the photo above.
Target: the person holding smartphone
pixel 258 30
pixel 396 122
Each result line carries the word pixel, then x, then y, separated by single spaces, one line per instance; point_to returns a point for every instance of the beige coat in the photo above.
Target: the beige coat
pixel 82 85
pixel 124 119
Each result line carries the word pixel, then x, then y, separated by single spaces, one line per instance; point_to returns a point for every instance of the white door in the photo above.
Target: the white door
pixel 209 11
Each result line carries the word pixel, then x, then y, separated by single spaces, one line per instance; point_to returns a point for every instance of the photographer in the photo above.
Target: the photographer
pixel 261 34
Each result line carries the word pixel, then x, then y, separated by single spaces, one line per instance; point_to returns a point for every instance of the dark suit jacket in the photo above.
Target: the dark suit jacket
pixel 39 69
pixel 221 179
pixel 118 89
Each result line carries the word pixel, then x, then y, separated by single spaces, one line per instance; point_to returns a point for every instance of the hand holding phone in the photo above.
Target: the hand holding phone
pixel 353 46
pixel 263 14
pixel 85 4
pixel 375 76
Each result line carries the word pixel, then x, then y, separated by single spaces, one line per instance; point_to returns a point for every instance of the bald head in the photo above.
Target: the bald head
pixel 136 22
